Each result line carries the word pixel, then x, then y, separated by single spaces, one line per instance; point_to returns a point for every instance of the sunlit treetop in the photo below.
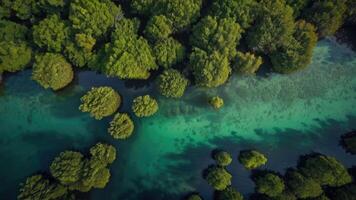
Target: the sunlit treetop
pixel 144 106
pixel 14 56
pixel 104 153
pixel 93 17
pixel 121 127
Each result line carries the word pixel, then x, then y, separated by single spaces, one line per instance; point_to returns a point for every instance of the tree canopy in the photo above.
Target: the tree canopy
pixel 229 194
pixel 171 83
pixel 325 170
pixel 50 34
pixel 303 187
pixel 222 158
pixel 217 34
pixel 252 159
pixel 52 70
pixel 168 52
pixel 247 63
pixel 218 177
pixel 100 102
pixel 158 27
pixel 144 106
pixel 209 70
pixel 269 184
pixel 216 102
pixel 14 56
pixel 121 127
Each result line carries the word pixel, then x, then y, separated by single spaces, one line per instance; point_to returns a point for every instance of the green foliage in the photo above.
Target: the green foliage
pixel 158 27
pixel 217 102
pixel 121 127
pixel 181 13
pixel 23 9
pixel 252 159
pixel 14 56
pixel 66 167
pixel 171 83
pixel 50 34
pixel 100 102
pixel 4 12
pixel 269 184
pixel 214 34
pixel 194 197
pixel 79 51
pixel 144 106
pixel 218 178
pixel 11 31
pixel 93 17
pixel 325 170
pixel 142 7
pixel 127 56
pixel 297 53
pixel 326 15
pixel 348 141
pixel 229 194
pixel 298 6
pixel 209 70
pixel 38 187
pixel 247 63
pixel 273 27
pixel 168 52
pixel 242 11
pixel 104 153
pixel 52 71
pixel 222 158
pixel 303 187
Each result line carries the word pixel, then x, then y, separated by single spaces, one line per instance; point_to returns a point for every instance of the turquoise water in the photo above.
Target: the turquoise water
pixel 283 115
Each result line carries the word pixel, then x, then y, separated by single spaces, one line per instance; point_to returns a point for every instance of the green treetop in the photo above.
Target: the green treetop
pixel 297 53
pixel 14 56
pixel 269 184
pixel 247 63
pixel 143 7
pixel 121 127
pixel 209 70
pixel 242 11
pixel 218 178
pixel 127 56
pixel 229 194
pixel 214 34
pixel 93 17
pixel 79 51
pixel 171 83
pixel 38 187
pixel 252 159
pixel 325 170
pixel 217 102
pixel 326 15
pixel 11 31
pixel 168 52
pixel 193 197
pixel 52 71
pixel 158 27
pixel 273 27
pixel 298 6
pixel 303 187
pixel 144 106
pixel 50 33
pixel 67 167
pixel 104 153
pixel 100 102
pixel 222 158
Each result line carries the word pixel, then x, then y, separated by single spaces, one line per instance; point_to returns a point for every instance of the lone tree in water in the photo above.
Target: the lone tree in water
pixel 218 177
pixel 229 194
pixel 252 159
pixel 222 158
pixel 144 106
pixel 52 70
pixel 100 102
pixel 217 102
pixel 121 127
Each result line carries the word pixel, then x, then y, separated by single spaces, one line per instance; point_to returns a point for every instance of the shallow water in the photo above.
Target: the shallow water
pixel 282 115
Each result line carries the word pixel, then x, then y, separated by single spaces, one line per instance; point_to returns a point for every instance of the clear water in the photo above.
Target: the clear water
pixel 282 115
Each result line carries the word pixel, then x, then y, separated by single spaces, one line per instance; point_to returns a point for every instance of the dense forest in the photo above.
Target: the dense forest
pixel 176 44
